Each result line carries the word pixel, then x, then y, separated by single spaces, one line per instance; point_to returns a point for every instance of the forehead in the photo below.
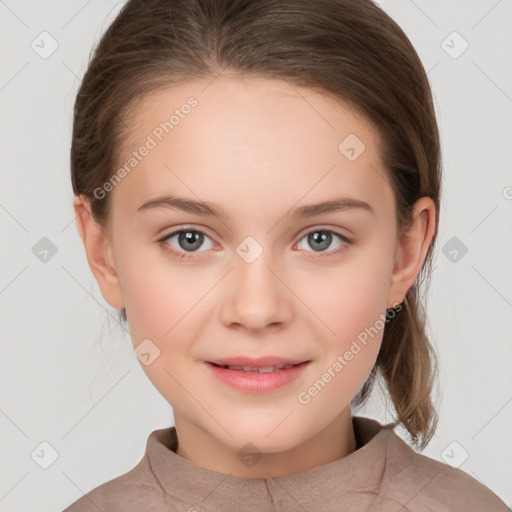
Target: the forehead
pixel 253 139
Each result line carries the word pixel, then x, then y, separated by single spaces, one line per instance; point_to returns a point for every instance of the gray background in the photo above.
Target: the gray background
pixel 68 374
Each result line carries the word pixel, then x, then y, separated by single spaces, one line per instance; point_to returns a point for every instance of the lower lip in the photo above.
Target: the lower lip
pixel 255 382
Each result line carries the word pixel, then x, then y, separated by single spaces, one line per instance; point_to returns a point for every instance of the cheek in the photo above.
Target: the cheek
pixel 163 305
pixel 158 292
pixel 350 301
pixel 353 307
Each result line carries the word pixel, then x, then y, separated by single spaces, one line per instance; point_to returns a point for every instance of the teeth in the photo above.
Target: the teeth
pixel 263 369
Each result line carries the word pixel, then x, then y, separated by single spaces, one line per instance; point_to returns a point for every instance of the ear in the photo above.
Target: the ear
pixel 99 252
pixel 411 250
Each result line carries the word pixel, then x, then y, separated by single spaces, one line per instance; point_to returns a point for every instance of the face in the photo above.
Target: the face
pixel 263 276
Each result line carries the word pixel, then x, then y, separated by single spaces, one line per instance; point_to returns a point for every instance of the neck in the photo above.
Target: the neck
pixel 332 443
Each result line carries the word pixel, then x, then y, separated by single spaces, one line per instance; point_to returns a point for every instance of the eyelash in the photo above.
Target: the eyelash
pixel 188 256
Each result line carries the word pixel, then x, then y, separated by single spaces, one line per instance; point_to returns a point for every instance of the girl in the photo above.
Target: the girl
pixel 257 187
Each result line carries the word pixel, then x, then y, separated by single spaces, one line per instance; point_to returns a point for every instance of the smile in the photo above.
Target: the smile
pixel 262 379
pixel 262 369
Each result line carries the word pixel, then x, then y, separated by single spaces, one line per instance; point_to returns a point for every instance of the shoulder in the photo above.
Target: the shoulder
pixel 425 484
pixel 136 490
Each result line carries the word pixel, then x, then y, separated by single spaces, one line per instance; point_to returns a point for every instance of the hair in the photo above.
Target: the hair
pixel 348 49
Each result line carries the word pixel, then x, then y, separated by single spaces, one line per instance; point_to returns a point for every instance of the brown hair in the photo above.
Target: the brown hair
pixel 350 49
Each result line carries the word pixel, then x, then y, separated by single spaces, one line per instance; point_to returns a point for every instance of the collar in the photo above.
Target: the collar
pixel 362 470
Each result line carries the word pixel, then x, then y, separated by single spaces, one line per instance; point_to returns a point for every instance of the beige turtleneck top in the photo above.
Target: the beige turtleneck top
pixel 384 474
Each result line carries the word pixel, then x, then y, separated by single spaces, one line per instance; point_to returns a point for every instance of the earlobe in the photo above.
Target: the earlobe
pixel 412 249
pixel 99 251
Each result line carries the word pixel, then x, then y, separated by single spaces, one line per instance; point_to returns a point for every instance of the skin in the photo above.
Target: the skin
pixel 258 148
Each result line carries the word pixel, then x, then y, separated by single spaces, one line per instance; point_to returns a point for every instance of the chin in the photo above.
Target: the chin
pixel 265 436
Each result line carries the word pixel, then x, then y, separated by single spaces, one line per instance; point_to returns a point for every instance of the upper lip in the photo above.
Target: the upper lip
pixel 256 362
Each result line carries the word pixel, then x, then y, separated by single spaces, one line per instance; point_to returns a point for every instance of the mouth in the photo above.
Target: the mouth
pixel 258 369
pixel 263 364
pixel 257 376
pixel 262 369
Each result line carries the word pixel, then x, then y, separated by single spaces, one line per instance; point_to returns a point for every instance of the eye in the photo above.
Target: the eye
pixel 187 241
pixel 321 239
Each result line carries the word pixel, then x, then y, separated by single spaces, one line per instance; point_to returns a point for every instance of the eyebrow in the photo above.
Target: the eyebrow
pixel 213 210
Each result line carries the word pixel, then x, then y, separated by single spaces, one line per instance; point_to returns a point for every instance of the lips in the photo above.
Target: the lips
pixel 257 375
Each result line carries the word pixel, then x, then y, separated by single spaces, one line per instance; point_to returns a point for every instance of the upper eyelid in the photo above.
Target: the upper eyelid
pixel 336 231
pixel 180 229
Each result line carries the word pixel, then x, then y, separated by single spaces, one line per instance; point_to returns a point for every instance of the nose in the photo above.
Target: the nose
pixel 257 296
